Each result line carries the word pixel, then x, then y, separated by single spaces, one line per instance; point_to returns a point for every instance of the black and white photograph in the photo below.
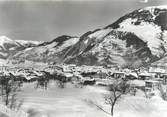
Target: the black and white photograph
pixel 83 58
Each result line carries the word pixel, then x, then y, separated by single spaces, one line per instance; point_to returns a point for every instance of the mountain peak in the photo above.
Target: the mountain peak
pixel 138 38
pixel 9 47
pixel 5 39
pixel 158 7
pixel 153 14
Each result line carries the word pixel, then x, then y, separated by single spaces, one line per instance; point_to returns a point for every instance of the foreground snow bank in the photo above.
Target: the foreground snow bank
pixel 76 102
pixel 134 106
pixel 10 113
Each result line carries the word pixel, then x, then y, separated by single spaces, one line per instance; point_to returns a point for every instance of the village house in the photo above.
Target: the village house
pixel 145 76
pixel 119 74
pixel 4 68
pixel 132 76
pixel 151 85
pixel 164 79
pixel 158 72
pixel 66 69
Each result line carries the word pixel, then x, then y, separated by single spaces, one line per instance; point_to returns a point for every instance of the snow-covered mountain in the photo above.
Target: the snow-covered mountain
pixel 48 51
pixel 135 39
pixel 9 47
pixel 28 43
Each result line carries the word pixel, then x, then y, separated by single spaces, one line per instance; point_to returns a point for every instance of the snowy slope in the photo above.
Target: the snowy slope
pixel 47 51
pixel 5 40
pixel 151 36
pixel 28 43
pixel 8 47
pixel 136 39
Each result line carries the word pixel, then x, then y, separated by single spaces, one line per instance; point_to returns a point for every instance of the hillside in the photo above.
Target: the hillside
pixel 48 51
pixel 136 39
pixel 9 47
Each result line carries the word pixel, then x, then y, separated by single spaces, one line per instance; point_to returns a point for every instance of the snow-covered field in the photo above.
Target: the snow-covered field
pixel 67 102
pixel 73 102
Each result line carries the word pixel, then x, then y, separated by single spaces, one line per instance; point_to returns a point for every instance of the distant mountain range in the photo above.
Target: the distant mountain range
pixel 48 51
pixel 138 38
pixel 9 47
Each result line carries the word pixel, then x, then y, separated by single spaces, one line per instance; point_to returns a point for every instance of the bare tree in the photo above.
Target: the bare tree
pixel 43 80
pixel 61 80
pixel 117 89
pixel 163 92
pixel 9 88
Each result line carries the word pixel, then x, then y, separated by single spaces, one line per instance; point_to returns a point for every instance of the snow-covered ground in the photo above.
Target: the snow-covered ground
pixel 6 112
pixel 138 106
pixel 66 102
pixel 73 102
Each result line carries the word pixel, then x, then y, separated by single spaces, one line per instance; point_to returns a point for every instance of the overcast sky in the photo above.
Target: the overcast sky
pixel 29 20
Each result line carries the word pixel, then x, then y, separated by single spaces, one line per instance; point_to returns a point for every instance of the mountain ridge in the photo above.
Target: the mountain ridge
pixel 137 38
pixel 9 47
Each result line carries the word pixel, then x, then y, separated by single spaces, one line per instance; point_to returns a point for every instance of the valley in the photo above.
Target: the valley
pixel 118 70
